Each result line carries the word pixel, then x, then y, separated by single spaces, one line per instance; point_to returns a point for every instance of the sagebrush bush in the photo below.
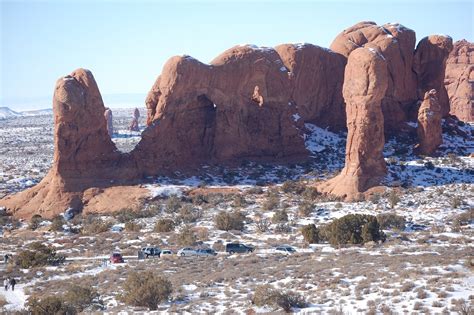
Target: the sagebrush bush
pixel 391 221
pixel 266 295
pixel 173 204
pixel 280 216
pixel 164 226
pixel 95 226
pixel 393 199
pixel 293 186
pixel 272 202
pixel 305 209
pixel 189 214
pixel 187 237
pixel 311 234
pixel 80 298
pixel 262 224
pixel 146 289
pixel 57 223
pixel 35 222
pixel 36 255
pixel 49 305
pixel 226 221
pixel 353 229
pixel 132 227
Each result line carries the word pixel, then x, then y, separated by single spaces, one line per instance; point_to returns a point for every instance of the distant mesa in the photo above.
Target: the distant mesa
pixel 242 106
pixel 6 112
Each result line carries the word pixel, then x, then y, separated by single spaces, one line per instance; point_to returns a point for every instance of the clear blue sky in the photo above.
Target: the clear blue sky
pixel 126 43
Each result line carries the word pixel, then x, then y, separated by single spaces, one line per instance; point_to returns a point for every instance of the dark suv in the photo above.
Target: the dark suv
pixel 232 248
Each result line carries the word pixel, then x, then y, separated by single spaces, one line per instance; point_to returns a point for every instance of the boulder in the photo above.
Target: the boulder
pixel 459 80
pixel 430 64
pixel 396 44
pixel 365 83
pixel 429 128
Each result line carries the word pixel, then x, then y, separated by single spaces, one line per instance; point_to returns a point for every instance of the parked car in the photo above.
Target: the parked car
pixel 206 252
pixel 166 253
pixel 116 228
pixel 151 251
pixel 285 249
pixel 187 251
pixel 232 248
pixel 116 258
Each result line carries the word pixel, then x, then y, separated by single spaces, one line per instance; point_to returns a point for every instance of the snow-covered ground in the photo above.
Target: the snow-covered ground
pixel 424 267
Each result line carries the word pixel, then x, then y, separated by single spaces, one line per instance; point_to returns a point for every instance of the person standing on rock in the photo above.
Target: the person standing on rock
pixel 6 283
pixel 12 283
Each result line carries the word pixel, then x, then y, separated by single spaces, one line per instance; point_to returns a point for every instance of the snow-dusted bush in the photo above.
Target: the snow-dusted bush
pixel 391 221
pixel 266 295
pixel 36 255
pixel 311 234
pixel 229 221
pixel 146 289
pixel 164 225
pixel 353 229
pixel 280 216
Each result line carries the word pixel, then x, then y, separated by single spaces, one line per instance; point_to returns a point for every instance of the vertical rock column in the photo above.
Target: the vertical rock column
pixel 365 84
pixel 429 124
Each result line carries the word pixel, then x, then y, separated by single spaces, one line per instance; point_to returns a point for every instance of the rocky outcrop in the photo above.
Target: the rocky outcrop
pixel 430 64
pixel 134 126
pixel 316 75
pixel 84 154
pixel 459 80
pixel 238 107
pixel 109 121
pixel 429 128
pixel 396 44
pixel 365 83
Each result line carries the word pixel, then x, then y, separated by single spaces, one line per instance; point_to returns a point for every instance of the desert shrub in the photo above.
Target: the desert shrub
pixel 239 201
pixel 393 199
pixel 463 218
pixel 95 226
pixel 202 233
pixel 280 216
pixel 35 222
pixel 266 295
pixel 37 255
pixel 282 228
pixel 132 226
pixel 226 221
pixel 293 186
pixel 57 223
pixel 188 214
pixel 407 286
pixel 305 209
pixel 256 190
pixel 80 298
pixel 311 234
pixel 461 306
pixel 391 220
pixel 375 198
pixel 164 225
pixel 456 202
pixel 146 289
pixel 173 204
pixel 353 229
pixel 338 205
pixel 310 193
pixel 187 237
pixel 263 224
pixel 49 305
pixel 127 215
pixel 272 202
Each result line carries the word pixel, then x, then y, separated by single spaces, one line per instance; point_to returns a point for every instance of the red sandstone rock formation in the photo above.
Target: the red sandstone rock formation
pixel 134 126
pixel 365 84
pixel 215 113
pixel 316 75
pixel 429 65
pixel 396 44
pixel 429 124
pixel 109 121
pixel 459 80
pixel 84 155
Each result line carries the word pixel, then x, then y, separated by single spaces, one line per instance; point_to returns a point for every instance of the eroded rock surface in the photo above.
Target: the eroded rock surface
pixel 109 121
pixel 396 44
pixel 459 80
pixel 365 84
pixel 430 64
